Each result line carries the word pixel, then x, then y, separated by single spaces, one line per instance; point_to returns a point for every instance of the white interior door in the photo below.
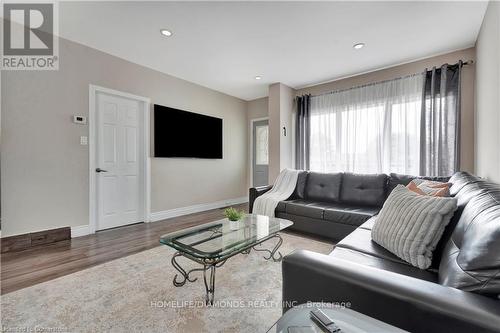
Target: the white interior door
pixel 119 171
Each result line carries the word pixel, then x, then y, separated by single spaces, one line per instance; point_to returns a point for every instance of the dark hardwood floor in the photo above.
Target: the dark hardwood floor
pixel 46 262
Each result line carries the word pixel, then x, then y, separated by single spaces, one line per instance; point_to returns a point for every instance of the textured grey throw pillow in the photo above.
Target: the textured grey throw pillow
pixel 410 225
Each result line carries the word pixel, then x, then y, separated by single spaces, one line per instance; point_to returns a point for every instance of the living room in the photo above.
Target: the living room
pixel 250 166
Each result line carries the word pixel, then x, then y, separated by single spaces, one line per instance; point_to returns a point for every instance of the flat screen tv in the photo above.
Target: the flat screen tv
pixel 179 133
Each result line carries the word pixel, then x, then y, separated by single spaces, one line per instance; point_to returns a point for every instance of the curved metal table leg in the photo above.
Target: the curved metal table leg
pixel 210 284
pixel 272 252
pixel 275 249
pixel 184 275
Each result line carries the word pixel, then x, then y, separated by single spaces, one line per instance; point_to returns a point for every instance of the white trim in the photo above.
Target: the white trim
pixel 167 214
pixel 93 90
pixel 251 145
pixel 82 230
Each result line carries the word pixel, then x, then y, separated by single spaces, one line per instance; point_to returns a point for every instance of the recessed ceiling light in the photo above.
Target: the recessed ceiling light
pixel 258 77
pixel 166 32
pixel 358 46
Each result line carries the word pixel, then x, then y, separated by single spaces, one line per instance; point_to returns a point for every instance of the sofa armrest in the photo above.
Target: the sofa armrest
pixel 255 192
pixel 409 303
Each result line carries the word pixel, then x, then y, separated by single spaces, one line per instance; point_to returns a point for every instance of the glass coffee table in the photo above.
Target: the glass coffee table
pixel 212 244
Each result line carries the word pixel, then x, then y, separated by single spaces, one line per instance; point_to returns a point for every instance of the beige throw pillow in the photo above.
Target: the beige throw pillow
pixel 429 187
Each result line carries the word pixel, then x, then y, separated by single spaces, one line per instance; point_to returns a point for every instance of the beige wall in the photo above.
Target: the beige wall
pixel 287 96
pixel 45 169
pixel 274 131
pixel 280 103
pixel 488 95
pixel 256 109
pixel 467 130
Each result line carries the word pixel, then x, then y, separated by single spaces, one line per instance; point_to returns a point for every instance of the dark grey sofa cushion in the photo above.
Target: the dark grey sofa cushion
pixel 281 207
pixel 318 227
pixel 368 225
pixel 323 186
pixel 382 263
pixel 364 190
pixel 304 208
pixel 464 187
pixel 300 189
pixel 361 240
pixel 471 258
pixel 349 214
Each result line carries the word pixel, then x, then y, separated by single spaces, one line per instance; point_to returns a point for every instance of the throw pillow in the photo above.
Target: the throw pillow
pixel 429 187
pixel 410 225
pixel 395 179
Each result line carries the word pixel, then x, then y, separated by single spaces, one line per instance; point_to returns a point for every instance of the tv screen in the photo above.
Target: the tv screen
pixel 179 133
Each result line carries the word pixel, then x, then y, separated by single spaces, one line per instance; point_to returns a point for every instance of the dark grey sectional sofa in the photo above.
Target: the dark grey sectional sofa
pixel 334 204
pixel 459 293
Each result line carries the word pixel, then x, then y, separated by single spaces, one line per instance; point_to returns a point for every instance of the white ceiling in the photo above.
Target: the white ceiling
pixel 224 45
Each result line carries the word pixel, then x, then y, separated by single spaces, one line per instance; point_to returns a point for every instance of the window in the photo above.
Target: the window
pixel 369 129
pixel 261 145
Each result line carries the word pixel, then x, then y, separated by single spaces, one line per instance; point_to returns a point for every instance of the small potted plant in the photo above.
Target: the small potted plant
pixel 233 215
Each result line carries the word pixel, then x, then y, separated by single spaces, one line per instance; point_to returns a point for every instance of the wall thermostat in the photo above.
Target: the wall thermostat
pixel 80 120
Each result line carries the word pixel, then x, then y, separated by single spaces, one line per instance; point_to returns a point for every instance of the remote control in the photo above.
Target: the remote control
pixel 324 321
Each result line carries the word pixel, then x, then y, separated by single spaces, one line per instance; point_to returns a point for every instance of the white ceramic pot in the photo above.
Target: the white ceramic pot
pixel 234 225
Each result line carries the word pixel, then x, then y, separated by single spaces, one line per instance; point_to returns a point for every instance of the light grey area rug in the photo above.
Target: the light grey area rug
pixel 136 294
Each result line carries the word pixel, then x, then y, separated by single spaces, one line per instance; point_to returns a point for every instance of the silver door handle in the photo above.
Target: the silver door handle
pixel 100 170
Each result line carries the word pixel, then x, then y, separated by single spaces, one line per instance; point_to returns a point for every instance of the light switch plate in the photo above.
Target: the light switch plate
pixel 84 140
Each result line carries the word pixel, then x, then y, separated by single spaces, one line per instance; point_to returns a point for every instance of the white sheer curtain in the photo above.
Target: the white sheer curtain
pixel 369 129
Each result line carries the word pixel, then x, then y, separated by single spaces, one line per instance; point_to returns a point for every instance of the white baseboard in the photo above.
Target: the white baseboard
pixel 82 230
pixel 167 214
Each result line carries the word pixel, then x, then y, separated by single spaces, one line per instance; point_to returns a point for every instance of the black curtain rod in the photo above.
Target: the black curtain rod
pixel 464 63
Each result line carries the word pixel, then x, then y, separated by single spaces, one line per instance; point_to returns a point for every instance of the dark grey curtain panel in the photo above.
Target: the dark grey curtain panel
pixel 440 121
pixel 302 139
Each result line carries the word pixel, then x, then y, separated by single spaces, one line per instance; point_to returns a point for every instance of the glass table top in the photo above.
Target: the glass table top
pixel 223 238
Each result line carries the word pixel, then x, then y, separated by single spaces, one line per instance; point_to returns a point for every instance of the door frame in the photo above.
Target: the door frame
pixel 251 145
pixel 145 158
